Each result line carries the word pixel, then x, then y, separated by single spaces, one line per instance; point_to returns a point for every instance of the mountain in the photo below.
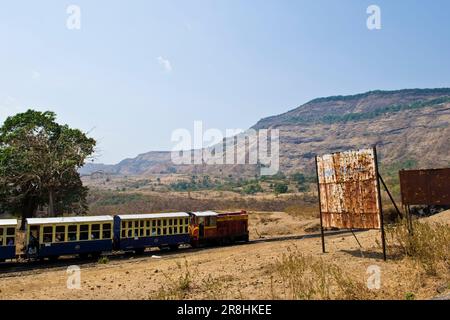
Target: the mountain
pixel 411 125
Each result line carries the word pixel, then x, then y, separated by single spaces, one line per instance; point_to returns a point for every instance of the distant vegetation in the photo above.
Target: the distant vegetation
pixel 435 91
pixel 278 184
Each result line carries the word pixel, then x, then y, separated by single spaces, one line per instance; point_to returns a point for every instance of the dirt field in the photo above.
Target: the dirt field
pixel 237 272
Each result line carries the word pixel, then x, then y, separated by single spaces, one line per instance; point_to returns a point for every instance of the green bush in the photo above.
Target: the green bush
pixel 252 188
pixel 281 188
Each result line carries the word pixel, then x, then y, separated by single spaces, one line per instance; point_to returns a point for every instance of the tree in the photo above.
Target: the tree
pixel 39 159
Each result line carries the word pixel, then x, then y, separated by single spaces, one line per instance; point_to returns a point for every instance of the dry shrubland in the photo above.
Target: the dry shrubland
pixel 306 277
pixel 427 244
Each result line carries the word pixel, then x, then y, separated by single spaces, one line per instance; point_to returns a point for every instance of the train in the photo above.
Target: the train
pixel 92 236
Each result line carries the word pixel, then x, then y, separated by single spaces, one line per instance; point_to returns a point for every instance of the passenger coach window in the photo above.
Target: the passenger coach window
pixel 95 232
pixel 60 234
pixel 48 234
pixel 84 232
pixel 10 236
pixel 1 236
pixel 107 231
pixel 72 233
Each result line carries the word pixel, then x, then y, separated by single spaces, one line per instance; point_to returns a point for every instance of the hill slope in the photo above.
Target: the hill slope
pixel 411 125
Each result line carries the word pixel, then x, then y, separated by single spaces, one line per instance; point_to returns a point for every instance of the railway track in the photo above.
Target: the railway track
pixel 24 267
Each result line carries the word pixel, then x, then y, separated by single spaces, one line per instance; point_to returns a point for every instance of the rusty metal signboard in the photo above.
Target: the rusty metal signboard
pixel 349 190
pixel 425 187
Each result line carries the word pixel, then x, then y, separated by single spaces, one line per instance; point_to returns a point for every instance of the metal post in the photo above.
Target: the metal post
pixel 390 196
pixel 409 221
pixel 320 209
pixel 383 237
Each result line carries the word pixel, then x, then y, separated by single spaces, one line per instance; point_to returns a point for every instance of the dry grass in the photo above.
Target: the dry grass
pixel 188 284
pixel 178 287
pixel 305 277
pixel 303 211
pixel 113 202
pixel 428 244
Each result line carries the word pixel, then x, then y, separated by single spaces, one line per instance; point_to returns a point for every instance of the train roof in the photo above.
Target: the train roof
pixel 205 214
pixel 8 222
pixel 84 219
pixel 153 216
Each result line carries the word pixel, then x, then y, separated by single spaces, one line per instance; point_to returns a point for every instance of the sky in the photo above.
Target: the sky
pixel 135 71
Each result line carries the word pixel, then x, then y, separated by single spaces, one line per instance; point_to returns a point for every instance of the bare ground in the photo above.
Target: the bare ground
pixel 236 272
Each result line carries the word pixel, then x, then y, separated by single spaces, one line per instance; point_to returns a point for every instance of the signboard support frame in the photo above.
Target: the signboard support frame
pixel 320 209
pixel 380 206
pixel 390 197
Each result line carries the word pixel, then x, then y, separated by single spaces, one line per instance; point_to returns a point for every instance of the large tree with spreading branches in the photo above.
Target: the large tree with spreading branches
pixel 39 162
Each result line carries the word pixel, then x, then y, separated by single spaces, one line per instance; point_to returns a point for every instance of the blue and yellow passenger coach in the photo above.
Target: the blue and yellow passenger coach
pixel 54 237
pixel 136 232
pixel 7 239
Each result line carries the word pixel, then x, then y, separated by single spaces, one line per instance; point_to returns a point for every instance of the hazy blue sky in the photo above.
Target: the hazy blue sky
pixel 137 70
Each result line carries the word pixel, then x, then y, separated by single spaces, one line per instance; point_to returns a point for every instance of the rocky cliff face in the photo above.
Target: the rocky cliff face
pixel 407 125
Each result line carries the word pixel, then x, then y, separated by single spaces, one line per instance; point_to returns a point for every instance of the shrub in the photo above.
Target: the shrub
pixel 177 288
pixel 410 296
pixel 281 188
pixel 428 244
pixel 103 260
pixel 252 188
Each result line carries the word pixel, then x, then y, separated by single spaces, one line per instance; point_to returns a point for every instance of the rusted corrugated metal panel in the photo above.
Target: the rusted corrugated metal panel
pixel 425 187
pixel 349 190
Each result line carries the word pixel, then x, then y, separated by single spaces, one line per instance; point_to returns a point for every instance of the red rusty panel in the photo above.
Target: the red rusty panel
pixel 425 187
pixel 349 190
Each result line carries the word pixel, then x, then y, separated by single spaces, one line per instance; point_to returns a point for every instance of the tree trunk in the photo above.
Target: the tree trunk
pixel 29 208
pixel 51 203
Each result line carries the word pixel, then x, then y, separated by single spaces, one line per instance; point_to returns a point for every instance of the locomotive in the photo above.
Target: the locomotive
pixel 95 235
